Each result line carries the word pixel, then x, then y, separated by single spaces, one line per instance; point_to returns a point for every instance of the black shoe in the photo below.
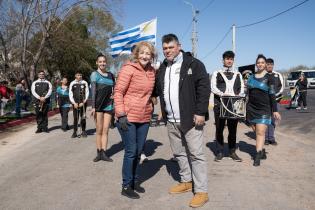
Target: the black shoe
pixel 64 129
pixel 46 130
pixel 38 130
pixel 257 158
pixel 98 156
pixel 264 154
pixel 274 143
pixel 218 157
pixel 129 192
pixel 267 142
pixel 138 188
pixel 83 134
pixel 105 157
pixel 234 156
pixel 74 135
pixel 68 128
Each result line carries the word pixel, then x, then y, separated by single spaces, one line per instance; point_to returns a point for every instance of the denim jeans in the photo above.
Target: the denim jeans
pixel 133 139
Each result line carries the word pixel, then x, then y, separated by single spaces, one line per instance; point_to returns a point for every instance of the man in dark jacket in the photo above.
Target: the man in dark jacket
pixel 41 91
pixel 182 83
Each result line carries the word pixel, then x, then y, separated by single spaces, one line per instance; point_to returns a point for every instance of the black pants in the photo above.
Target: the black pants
pixel 302 98
pixel 80 112
pixel 64 117
pixel 42 116
pixel 219 125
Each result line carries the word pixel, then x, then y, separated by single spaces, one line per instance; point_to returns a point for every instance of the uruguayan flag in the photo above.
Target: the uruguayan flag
pixel 122 42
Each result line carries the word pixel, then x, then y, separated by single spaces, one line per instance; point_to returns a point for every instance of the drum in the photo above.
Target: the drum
pixel 233 107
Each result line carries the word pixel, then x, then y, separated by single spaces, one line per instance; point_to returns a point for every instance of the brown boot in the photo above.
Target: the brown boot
pixel 199 200
pixel 181 188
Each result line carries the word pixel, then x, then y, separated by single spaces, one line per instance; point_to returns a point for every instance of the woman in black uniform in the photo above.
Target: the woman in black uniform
pixel 102 84
pixel 261 105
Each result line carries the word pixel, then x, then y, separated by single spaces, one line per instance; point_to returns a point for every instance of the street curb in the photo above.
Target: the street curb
pixel 22 121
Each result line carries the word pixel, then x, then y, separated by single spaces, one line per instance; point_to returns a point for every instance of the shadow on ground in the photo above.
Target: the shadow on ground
pixel 150 168
pixel 247 148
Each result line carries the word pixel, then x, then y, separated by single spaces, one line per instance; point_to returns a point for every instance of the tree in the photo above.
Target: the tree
pixel 34 20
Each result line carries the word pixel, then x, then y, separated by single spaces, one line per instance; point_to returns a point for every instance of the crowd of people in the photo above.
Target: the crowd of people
pixel 183 87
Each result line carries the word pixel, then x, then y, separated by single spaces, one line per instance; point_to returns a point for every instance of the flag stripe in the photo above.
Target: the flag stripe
pixel 124 36
pixel 126 32
pixel 122 42
pixel 134 41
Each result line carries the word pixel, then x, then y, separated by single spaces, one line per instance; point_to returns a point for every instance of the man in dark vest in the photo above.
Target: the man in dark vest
pixel 78 95
pixel 226 82
pixel 41 91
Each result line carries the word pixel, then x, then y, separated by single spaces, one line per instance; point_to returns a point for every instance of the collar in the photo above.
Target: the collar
pixel 226 69
pixel 177 59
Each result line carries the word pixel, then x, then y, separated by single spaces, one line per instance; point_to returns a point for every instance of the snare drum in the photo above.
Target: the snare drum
pixel 233 107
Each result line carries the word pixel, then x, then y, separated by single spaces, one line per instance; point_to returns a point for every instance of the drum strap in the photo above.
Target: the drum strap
pixel 229 83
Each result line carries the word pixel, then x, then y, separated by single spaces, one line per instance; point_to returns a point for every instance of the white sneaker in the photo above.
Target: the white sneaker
pixel 143 158
pixel 298 108
pixel 305 108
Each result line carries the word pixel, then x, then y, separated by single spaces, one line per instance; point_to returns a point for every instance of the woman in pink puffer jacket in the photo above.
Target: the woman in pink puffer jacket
pixel 133 108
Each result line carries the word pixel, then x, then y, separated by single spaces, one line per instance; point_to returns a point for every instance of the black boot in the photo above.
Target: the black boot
pixel 264 154
pixel 105 157
pixel 234 156
pixel 257 158
pixel 83 134
pixel 138 188
pixel 46 130
pixel 98 156
pixel 74 135
pixel 38 130
pixel 219 156
pixel 129 192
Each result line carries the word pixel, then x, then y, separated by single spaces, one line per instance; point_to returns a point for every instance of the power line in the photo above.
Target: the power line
pixel 219 43
pixel 187 30
pixel 206 7
pixel 276 15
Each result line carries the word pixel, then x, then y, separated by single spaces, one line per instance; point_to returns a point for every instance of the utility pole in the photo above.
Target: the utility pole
pixel 194 39
pixel 233 43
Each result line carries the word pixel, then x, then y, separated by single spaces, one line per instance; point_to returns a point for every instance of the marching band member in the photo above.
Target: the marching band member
pixel 102 84
pixel 278 79
pixel 261 105
pixel 226 82
pixel 41 91
pixel 63 103
pixel 78 95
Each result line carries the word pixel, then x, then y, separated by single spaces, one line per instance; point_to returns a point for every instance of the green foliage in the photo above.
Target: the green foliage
pixel 74 43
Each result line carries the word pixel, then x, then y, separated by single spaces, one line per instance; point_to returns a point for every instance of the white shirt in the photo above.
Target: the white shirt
pixel 171 89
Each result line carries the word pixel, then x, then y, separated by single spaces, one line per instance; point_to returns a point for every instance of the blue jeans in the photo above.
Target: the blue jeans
pixel 270 131
pixel 133 139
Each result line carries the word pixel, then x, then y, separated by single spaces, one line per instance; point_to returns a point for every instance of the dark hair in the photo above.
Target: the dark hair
pixel 40 71
pixel 261 56
pixel 269 60
pixel 100 55
pixel 169 38
pixel 228 54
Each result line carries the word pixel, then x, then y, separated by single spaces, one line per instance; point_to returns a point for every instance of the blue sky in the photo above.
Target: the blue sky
pixel 289 38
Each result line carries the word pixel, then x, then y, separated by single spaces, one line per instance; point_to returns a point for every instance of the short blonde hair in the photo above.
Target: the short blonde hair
pixel 135 52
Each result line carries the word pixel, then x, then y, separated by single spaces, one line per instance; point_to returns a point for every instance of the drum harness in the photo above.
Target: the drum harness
pixel 230 91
